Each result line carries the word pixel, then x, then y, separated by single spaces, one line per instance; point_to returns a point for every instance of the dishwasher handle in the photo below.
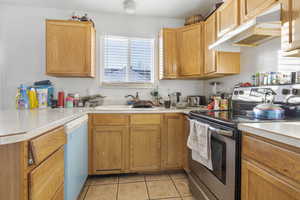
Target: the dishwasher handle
pixel 221 131
pixel 69 127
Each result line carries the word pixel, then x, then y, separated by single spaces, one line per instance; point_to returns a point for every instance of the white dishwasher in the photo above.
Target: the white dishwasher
pixel 76 157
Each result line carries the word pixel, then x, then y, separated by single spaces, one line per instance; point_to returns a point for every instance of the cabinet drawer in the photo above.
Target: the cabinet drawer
pixel 283 161
pixel 45 145
pixel 145 119
pixel 47 178
pixel 110 119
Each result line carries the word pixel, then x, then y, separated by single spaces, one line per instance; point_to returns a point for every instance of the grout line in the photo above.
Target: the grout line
pixel 84 196
pixel 176 188
pixel 118 182
pixel 146 187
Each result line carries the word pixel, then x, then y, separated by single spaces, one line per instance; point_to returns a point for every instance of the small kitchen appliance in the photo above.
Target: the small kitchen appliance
pixel 195 101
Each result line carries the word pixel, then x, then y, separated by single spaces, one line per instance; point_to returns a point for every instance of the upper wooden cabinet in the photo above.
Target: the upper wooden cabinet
pixel 191 52
pixel 252 8
pixel 228 17
pixel 217 63
pixel 168 55
pixel 290 36
pixel 70 48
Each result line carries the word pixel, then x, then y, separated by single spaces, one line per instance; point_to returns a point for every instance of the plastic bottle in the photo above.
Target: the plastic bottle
pixel 42 95
pixel 33 103
pixel 23 102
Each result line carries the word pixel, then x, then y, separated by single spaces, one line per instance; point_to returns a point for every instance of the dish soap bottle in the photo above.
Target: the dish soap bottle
pixel 33 103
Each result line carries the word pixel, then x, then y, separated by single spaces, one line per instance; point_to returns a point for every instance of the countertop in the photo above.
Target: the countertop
pixel 284 132
pixel 21 125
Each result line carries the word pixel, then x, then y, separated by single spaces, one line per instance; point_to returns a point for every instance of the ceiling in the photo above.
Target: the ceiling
pixel 158 8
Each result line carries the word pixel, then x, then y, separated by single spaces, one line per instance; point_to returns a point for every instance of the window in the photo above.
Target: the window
pixel 128 60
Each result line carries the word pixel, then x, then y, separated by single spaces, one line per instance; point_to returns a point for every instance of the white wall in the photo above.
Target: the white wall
pixel 22 54
pixel 264 58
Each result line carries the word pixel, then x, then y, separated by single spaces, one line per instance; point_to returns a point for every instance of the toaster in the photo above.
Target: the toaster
pixel 195 101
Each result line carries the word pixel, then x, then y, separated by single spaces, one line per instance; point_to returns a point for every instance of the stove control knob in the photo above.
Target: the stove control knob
pixel 241 92
pixel 286 92
pixel 296 91
pixel 236 92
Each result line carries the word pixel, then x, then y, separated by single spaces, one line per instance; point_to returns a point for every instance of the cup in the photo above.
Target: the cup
pixel 167 104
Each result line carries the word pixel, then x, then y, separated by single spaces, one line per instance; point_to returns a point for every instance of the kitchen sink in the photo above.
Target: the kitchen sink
pixel 122 108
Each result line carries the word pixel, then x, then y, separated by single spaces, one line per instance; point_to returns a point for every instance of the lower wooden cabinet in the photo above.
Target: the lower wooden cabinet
pixel 172 141
pixel 270 170
pixel 46 179
pixel 109 148
pixel 146 142
pixel 145 153
pixel 186 129
pixel 258 184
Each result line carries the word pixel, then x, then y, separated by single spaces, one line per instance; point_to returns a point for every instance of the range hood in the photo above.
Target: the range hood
pixel 257 31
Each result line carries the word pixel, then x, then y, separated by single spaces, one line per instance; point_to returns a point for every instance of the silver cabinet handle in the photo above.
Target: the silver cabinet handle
pixel 221 132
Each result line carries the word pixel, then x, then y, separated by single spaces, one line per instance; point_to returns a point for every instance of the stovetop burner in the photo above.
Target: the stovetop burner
pixel 233 119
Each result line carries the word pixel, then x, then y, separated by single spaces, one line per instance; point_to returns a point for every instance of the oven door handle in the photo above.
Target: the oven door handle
pixel 221 132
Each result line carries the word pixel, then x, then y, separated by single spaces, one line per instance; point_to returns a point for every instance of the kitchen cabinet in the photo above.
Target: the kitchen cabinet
pixel 191 51
pixel 218 63
pixel 270 170
pixel 228 17
pixel 145 148
pixel 186 132
pixel 70 48
pixel 168 54
pixel 290 37
pixel 252 8
pixel 109 151
pixel 172 141
pixel 28 176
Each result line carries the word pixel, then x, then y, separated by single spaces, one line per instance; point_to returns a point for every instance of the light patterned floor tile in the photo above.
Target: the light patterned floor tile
pixel 178 175
pixel 188 198
pixel 133 191
pixel 130 178
pixel 102 180
pixel 182 186
pixel 157 177
pixel 83 193
pixel 162 189
pixel 102 192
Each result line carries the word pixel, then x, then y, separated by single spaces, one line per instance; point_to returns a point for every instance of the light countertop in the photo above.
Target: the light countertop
pixel 284 132
pixel 21 125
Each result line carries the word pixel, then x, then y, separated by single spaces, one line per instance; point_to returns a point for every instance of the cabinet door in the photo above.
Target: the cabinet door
pixel 46 179
pixel 168 54
pixel 186 131
pixel 70 48
pixel 145 151
pixel 258 184
pixel 210 38
pixel 252 8
pixel 290 37
pixel 172 141
pixel 227 17
pixel 109 148
pixel 191 50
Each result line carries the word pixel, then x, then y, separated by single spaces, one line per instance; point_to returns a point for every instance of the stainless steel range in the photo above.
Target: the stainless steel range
pixel 224 181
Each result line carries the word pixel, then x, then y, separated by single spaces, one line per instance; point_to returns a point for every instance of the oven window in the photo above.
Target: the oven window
pixel 219 159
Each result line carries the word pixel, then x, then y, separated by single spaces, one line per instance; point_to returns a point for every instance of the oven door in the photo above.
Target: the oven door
pixel 221 180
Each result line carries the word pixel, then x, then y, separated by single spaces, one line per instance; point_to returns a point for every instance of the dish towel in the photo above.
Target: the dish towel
pixel 199 141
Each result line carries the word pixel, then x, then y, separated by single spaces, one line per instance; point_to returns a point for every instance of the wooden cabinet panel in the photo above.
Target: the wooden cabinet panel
pixel 228 17
pixel 145 148
pixel 210 38
pixel 258 184
pixel 145 119
pixel 252 8
pixel 186 132
pixel 191 53
pixel 111 119
pixel 43 146
pixel 109 148
pixel 70 48
pixel 172 141
pixel 281 160
pixel 60 194
pixel 168 54
pixel 290 37
pixel 47 178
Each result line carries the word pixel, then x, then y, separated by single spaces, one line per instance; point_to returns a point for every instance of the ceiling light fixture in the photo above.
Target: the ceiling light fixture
pixel 129 6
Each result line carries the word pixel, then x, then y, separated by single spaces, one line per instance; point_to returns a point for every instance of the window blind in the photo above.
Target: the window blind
pixel 128 60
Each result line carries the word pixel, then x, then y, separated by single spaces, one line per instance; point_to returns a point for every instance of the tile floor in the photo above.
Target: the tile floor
pixel 169 186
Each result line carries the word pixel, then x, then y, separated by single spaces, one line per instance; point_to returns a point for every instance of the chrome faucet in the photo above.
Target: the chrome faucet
pixel 134 98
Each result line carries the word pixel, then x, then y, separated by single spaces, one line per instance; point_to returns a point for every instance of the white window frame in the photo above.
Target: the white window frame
pixel 128 84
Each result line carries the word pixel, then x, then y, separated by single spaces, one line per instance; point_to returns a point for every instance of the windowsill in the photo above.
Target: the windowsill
pixel 127 85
